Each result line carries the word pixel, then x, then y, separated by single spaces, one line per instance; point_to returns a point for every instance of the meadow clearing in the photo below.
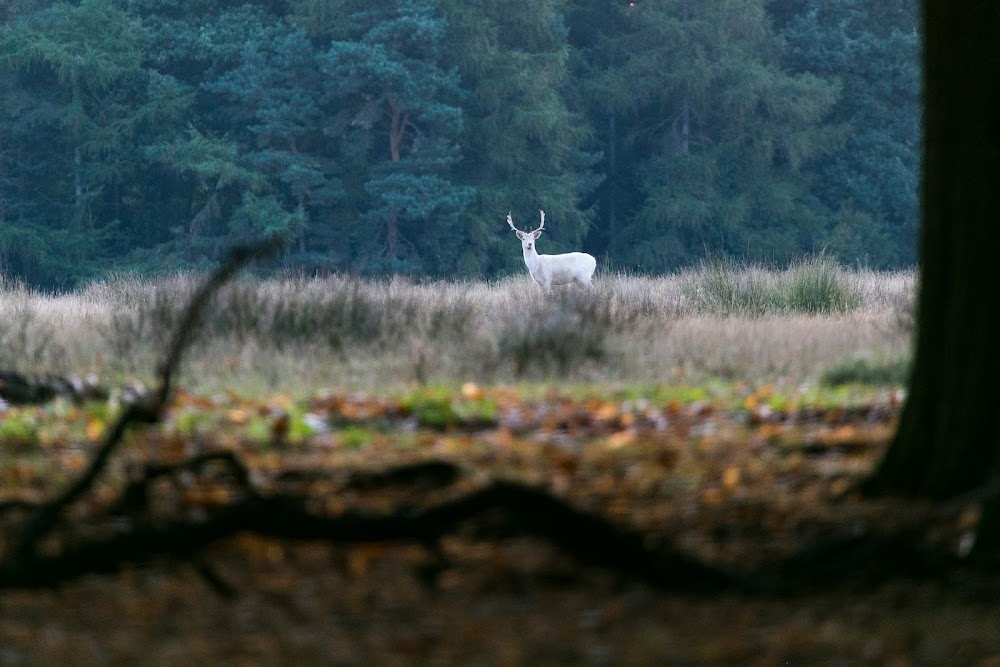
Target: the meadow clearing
pixel 814 322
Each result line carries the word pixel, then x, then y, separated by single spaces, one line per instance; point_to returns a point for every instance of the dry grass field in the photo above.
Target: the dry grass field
pixel 297 334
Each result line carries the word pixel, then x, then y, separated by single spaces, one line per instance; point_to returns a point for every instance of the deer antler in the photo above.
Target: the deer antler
pixel 541 224
pixel 510 221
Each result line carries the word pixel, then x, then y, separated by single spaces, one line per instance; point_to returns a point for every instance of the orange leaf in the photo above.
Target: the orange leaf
pixel 238 416
pixel 766 392
pixel 281 401
pixel 75 461
pixel 606 412
pixel 95 428
pixel 770 431
pixel 621 438
pixel 712 496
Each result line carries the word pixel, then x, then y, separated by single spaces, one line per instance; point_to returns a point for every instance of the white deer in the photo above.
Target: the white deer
pixel 549 270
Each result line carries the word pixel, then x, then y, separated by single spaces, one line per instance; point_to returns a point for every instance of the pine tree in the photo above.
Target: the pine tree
pixel 400 122
pixel 78 104
pixel 710 138
pixel 870 183
pixel 522 143
pixel 251 160
pixel 277 94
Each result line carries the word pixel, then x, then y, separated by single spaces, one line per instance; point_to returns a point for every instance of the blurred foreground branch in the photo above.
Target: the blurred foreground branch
pixel 22 558
pixel 498 511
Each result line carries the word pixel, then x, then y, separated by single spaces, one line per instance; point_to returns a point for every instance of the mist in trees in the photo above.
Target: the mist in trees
pixel 150 135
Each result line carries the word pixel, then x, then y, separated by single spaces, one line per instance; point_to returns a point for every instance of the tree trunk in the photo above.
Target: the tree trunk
pixel 78 183
pixel 397 130
pixel 392 234
pixel 612 173
pixel 78 190
pixel 949 435
pixel 685 138
pixel 686 127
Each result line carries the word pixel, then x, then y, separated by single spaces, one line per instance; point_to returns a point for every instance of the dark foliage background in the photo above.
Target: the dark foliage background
pixel 150 135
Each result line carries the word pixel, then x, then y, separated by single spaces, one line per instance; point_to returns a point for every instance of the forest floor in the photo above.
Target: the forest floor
pixel 739 477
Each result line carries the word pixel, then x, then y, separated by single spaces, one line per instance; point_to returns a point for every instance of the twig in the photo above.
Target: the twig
pixel 17 506
pixel 136 493
pixel 215 581
pixel 143 411
pixel 420 476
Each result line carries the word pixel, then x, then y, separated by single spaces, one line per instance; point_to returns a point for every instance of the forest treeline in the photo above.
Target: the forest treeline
pixel 148 135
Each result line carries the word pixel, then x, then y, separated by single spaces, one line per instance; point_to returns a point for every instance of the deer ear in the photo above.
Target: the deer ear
pixel 536 233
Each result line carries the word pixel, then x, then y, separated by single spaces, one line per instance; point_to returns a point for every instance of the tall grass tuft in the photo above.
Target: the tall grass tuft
pixel 720 286
pixel 874 372
pixel 814 286
pixel 562 334
pixel 819 286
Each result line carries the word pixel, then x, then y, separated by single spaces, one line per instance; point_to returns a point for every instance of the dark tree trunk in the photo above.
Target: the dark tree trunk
pixel 685 131
pixel 397 130
pixel 686 127
pixel 949 435
pixel 392 234
pixel 612 172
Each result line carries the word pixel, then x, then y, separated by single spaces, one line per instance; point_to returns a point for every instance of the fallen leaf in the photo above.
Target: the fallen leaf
pixel 619 439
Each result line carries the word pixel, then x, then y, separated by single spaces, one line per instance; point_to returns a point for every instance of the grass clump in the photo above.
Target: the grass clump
pixel 438 408
pixel 356 437
pixel 819 286
pixel 723 287
pixel 814 286
pixel 884 372
pixel 564 333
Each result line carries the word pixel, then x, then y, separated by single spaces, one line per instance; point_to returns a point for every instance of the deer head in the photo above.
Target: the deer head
pixel 528 238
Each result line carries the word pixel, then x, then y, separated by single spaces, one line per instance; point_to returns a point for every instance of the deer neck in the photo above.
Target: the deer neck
pixel 530 258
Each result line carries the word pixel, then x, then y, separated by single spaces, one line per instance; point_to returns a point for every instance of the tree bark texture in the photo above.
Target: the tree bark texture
pixel 949 435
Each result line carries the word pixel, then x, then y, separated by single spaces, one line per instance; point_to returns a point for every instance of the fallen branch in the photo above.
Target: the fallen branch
pixel 19 389
pixel 501 510
pixel 588 538
pixel 148 410
pixel 418 476
pixel 136 494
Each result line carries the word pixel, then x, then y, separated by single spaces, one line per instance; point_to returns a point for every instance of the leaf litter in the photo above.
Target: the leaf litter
pixel 734 475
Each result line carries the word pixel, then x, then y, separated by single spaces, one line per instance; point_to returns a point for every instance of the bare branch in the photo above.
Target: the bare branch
pixel 521 510
pixel 147 411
